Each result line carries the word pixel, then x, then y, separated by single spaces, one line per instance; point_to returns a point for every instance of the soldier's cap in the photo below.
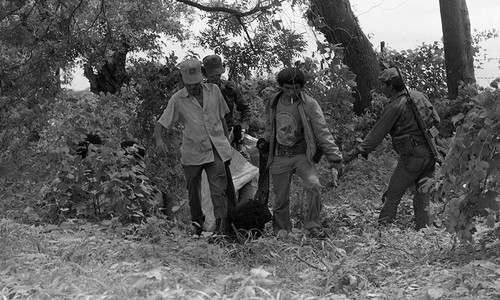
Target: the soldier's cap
pixel 390 76
pixel 191 71
pixel 213 65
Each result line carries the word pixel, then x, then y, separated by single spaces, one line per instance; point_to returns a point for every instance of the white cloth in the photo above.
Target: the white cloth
pixel 242 172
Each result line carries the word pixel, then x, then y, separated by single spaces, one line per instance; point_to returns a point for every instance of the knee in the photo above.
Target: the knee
pixel 312 182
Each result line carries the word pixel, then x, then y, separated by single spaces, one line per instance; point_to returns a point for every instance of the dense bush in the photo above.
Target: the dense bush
pixel 106 184
pixel 469 178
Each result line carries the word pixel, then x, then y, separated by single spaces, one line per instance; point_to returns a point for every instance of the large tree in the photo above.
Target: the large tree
pixel 40 38
pixel 336 20
pixel 458 50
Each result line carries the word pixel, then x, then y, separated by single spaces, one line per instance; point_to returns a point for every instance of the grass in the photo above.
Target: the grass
pixel 158 260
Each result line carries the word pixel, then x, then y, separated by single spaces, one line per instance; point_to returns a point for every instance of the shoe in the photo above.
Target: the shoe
pixel 317 233
pixel 220 226
pixel 196 230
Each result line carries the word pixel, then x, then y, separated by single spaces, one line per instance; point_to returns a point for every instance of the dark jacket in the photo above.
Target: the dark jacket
pixel 233 97
pixel 316 131
pixel 398 120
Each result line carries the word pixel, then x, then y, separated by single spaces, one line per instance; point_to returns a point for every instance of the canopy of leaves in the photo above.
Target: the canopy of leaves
pixel 258 43
pixel 40 38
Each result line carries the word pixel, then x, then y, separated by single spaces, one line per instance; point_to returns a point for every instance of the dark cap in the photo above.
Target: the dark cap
pixel 291 76
pixel 213 65
pixel 390 76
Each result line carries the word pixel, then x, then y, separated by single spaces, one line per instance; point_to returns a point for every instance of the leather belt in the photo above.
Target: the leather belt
pixel 290 151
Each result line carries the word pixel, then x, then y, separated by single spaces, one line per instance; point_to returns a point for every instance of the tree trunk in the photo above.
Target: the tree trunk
pixel 335 19
pixel 458 52
pixel 111 76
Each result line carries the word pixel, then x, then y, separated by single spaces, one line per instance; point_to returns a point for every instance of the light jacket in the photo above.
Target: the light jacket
pixel 316 131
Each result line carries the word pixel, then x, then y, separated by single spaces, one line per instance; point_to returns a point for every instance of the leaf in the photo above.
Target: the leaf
pixel 457 118
pixel 259 273
pixel 434 294
pixel 155 273
pixel 490 221
pixel 66 166
pixel 489 200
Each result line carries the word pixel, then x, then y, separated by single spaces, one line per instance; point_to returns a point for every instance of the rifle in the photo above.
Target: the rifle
pixel 429 133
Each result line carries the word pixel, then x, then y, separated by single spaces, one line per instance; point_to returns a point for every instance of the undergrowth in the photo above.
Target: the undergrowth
pixel 158 260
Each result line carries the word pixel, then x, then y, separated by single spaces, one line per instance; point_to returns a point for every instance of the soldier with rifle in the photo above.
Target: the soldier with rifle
pixel 413 142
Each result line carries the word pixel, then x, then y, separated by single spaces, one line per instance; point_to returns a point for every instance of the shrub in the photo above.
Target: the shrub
pixel 104 185
pixel 469 178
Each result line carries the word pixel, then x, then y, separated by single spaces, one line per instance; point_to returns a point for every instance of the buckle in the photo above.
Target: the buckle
pixel 286 153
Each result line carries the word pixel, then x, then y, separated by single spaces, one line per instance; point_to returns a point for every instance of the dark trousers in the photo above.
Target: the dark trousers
pixel 217 180
pixel 411 169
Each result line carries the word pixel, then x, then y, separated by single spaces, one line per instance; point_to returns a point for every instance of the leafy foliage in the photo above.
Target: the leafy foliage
pixel 107 183
pixel 41 38
pixel 267 45
pixel 423 68
pixel 102 186
pixel 154 84
pixel 470 175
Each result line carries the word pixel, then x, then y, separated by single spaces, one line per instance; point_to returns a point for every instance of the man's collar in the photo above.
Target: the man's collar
pixel 184 93
pixel 280 93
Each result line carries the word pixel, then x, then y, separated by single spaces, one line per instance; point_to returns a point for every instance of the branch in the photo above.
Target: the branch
pixel 72 15
pixel 228 10
pixel 101 10
pixel 236 13
pixel 246 32
pixel 5 15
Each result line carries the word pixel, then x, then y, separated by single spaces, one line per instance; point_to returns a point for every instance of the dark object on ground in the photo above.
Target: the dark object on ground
pixel 251 217
pixel 133 148
pixel 83 147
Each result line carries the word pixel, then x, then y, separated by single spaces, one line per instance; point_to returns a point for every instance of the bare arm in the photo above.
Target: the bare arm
pixel 160 145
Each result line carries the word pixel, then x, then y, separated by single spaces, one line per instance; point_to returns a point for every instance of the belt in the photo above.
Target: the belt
pixel 290 151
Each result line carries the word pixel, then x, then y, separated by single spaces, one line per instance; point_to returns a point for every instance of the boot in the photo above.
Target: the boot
pixel 220 226
pixel 219 233
pixel 196 229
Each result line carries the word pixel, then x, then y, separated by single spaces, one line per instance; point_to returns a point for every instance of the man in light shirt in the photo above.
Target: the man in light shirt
pixel 200 108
